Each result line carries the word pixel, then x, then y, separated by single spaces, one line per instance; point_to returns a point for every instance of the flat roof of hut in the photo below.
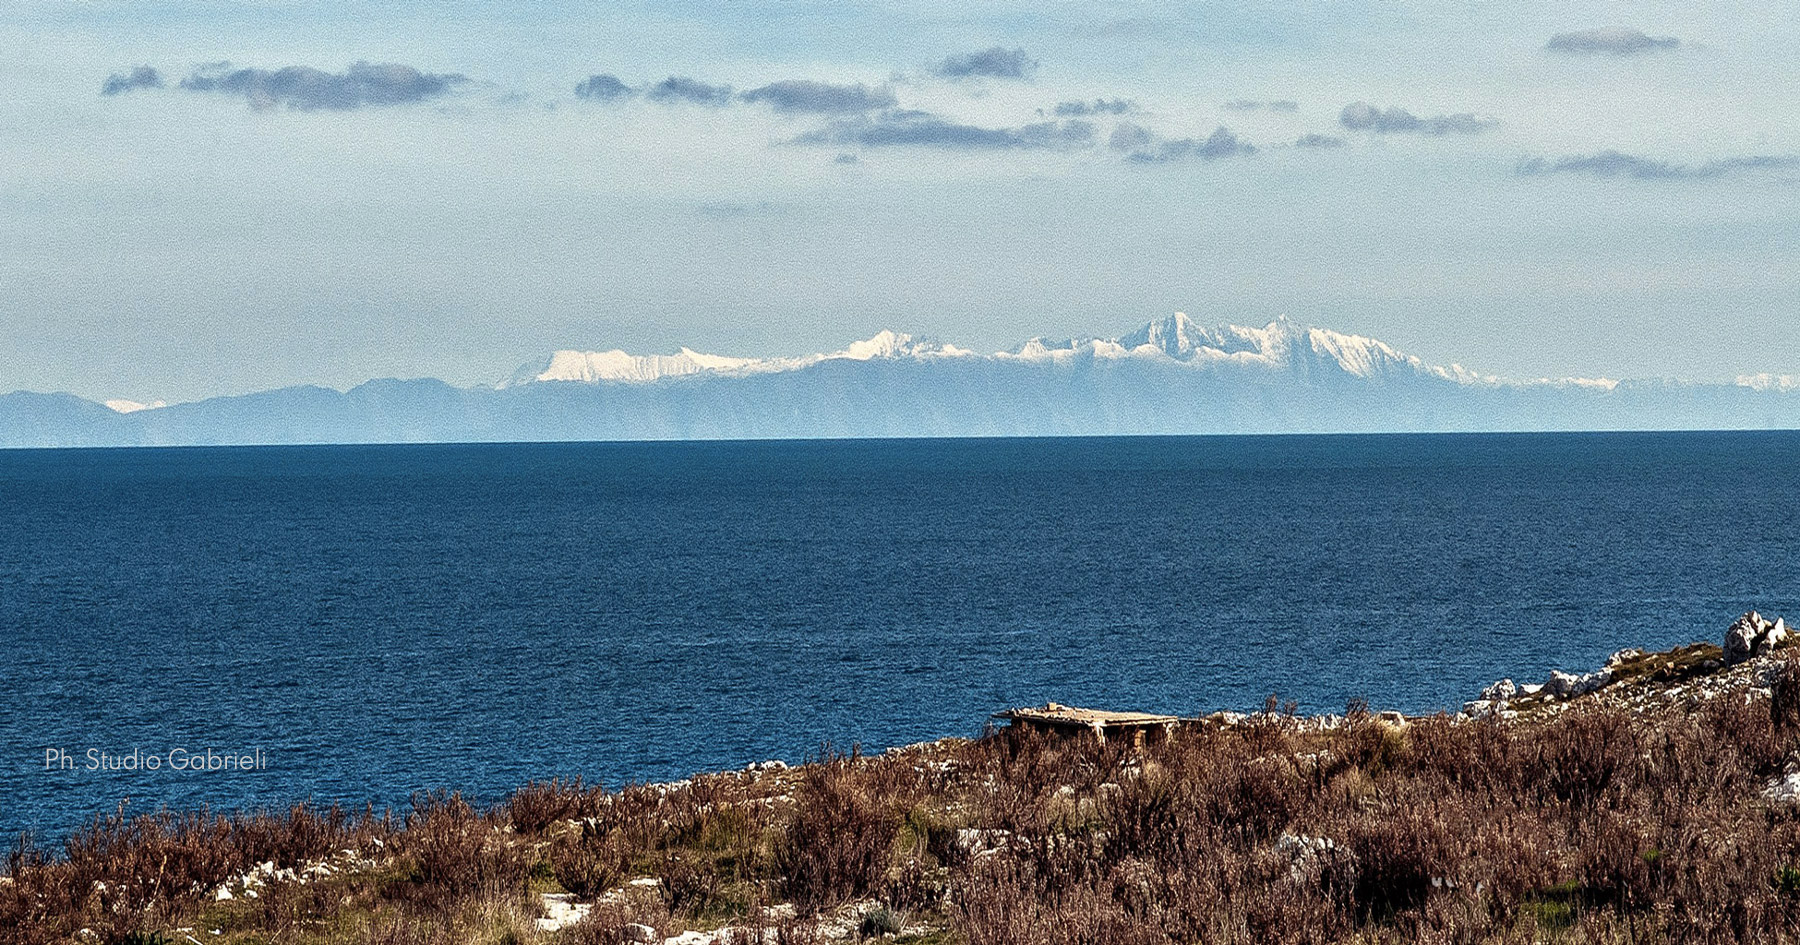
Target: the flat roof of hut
pixel 1053 718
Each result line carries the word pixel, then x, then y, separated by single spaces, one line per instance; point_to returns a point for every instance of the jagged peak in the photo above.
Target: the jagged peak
pixel 617 365
pixel 897 344
pixel 885 343
pixel 1282 342
pixel 1281 345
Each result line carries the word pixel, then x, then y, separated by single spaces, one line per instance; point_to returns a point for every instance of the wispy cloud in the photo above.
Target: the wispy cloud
pixel 603 88
pixel 1361 116
pixel 923 129
pixel 1616 164
pixel 805 95
pixel 1250 105
pixel 1142 146
pixel 796 96
pixel 1318 141
pixel 679 88
pixel 727 209
pixel 1099 106
pixel 1610 42
pixel 306 88
pixel 995 63
pixel 143 77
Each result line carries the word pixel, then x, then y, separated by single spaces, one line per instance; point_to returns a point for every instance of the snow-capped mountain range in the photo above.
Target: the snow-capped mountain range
pixel 1169 376
pixel 594 367
pixel 1281 344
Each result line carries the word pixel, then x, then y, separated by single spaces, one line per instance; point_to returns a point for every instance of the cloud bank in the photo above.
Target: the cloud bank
pixel 823 98
pixel 1099 106
pixel 923 129
pixel 789 96
pixel 995 63
pixel 307 89
pixel 143 77
pixel 1143 146
pixel 1616 164
pixel 1612 42
pixel 1315 140
pixel 603 88
pixel 1361 116
pixel 680 88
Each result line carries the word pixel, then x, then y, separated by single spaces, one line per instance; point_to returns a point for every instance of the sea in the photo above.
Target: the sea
pixel 357 624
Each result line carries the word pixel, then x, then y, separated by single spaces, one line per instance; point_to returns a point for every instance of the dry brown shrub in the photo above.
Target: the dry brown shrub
pixel 840 840
pixel 458 852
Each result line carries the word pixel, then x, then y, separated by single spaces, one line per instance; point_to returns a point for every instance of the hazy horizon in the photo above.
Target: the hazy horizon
pixel 889 343
pixel 447 190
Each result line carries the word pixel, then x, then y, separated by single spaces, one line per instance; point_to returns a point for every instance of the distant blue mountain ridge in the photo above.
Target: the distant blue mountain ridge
pixel 1172 376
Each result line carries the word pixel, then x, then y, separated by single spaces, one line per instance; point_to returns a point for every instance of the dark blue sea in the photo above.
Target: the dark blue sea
pixel 381 620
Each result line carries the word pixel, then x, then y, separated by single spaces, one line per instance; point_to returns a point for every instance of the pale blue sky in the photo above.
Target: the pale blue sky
pixel 167 243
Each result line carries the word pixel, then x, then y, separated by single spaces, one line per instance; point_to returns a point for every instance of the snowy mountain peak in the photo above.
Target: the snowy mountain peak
pixel 617 366
pixel 1282 345
pixel 885 344
pixel 132 406
pixel 593 367
pixel 1174 335
pixel 1355 354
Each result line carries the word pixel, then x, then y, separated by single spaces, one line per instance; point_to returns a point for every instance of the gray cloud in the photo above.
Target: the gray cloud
pixel 1144 147
pixel 603 88
pixel 791 95
pixel 923 129
pixel 143 77
pixel 803 95
pixel 1316 140
pixel 1129 136
pixel 996 63
pixel 678 88
pixel 1099 106
pixel 1615 164
pixel 1361 116
pixel 1250 104
pixel 306 88
pixel 1613 42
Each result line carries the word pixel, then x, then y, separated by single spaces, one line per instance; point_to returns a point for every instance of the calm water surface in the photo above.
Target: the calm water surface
pixel 379 620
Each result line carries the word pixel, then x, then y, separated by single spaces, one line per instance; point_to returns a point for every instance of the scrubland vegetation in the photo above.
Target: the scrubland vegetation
pixel 1600 823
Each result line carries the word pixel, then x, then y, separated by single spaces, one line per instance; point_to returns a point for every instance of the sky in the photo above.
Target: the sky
pixel 206 197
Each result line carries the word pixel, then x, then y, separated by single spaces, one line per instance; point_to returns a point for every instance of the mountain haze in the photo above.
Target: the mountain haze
pixel 1171 376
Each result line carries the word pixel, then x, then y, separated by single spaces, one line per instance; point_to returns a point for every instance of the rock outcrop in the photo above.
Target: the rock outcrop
pixel 1753 635
pixel 1568 685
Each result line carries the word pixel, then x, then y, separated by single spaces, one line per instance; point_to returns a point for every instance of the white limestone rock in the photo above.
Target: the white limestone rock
pixel 1785 789
pixel 1621 657
pixel 1561 685
pixel 1500 691
pixel 1568 685
pixel 1753 635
